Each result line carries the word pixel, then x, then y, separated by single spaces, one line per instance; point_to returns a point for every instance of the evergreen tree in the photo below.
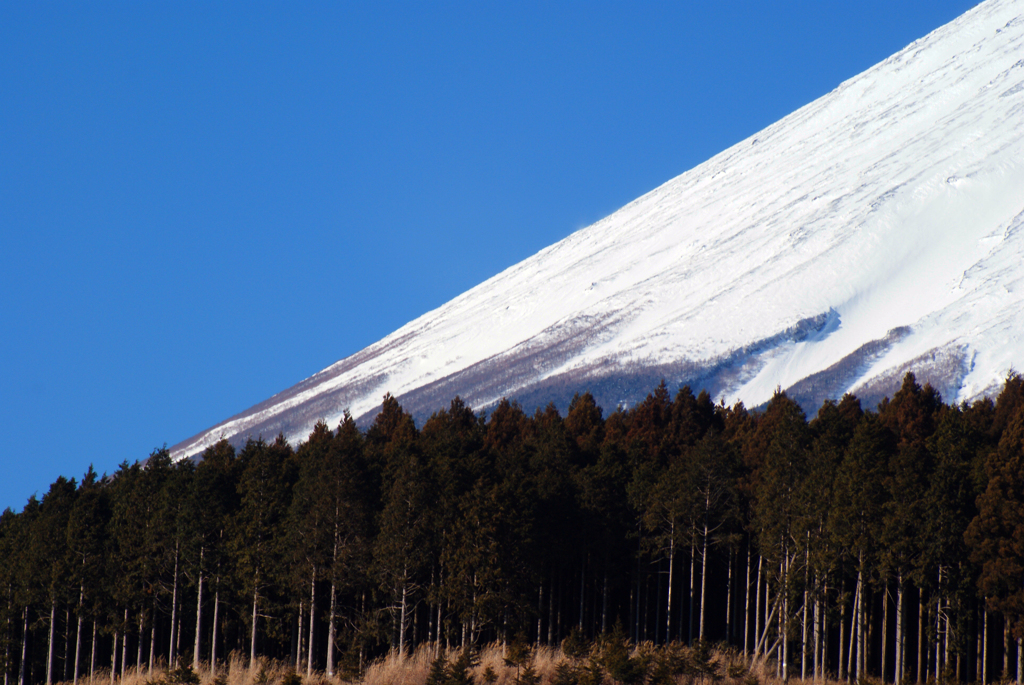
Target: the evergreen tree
pixel 350 503
pixel 833 429
pixel 215 488
pixel 779 508
pixel 941 519
pixel 996 534
pixel 601 477
pixel 309 535
pixel 264 490
pixel 910 416
pixel 88 543
pixel 399 553
pixel 713 472
pixel 9 613
pixel 53 560
pixel 26 574
pixel 452 441
pixel 496 527
pixel 855 523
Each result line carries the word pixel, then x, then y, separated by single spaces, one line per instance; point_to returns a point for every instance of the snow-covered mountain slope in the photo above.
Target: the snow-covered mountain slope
pixel 877 230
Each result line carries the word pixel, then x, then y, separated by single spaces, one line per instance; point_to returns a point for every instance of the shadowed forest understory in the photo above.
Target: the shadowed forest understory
pixel 885 545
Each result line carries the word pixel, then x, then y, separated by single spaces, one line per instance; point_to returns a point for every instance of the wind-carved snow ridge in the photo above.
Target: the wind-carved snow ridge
pixel 874 231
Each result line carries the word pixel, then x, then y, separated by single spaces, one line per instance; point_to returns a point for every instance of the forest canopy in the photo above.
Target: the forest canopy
pixel 884 543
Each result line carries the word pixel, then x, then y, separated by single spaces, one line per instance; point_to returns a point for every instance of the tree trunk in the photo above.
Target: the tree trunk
pixel 78 634
pixel 850 662
pixel 946 641
pixel 920 635
pixel 174 612
pixel 783 641
pixel 113 659
pixel 824 632
pixel 152 637
pixel 945 635
pixel 540 609
pixel 24 646
pixel 859 622
pixel 757 594
pixel 984 646
pixel 728 603
pixel 671 572
pixel 885 626
pixel 252 637
pixel 67 628
pixel 92 656
pixel 138 653
pixel 199 612
pixel 900 637
pixel 938 628
pixel 124 645
pixel 693 589
pixel 49 648
pixel 177 639
pixel 312 623
pixel 746 606
pixel 803 630
pixel 842 635
pixel 300 631
pixel 769 613
pixel 1020 659
pixel 784 616
pixel 442 629
pixel 761 640
pixel 703 578
pixel 213 634
pixel 7 643
pixel 432 635
pixel 330 632
pixel 817 637
pixel 1006 648
pixel 401 622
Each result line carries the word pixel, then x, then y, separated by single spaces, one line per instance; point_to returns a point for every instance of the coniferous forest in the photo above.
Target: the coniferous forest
pixel 860 544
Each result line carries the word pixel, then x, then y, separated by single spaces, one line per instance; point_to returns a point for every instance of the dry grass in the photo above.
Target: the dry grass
pixel 414 668
pixel 397 670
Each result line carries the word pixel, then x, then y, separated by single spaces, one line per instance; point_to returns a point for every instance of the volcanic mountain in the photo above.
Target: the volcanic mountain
pixel 875 231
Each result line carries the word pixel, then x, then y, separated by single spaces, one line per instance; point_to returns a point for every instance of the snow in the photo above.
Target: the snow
pixel 895 200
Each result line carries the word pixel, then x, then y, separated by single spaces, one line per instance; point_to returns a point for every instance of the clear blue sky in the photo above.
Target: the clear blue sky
pixel 203 203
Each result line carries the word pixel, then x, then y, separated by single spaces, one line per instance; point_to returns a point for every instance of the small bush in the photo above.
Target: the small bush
pixel 183 675
pixel 575 646
pixel 489 676
pixel 458 670
pixel 667 664
pixel 592 673
pixel 518 653
pixel 703 664
pixel 438 674
pixel 736 670
pixel 566 674
pixel 528 676
pixel 617 660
